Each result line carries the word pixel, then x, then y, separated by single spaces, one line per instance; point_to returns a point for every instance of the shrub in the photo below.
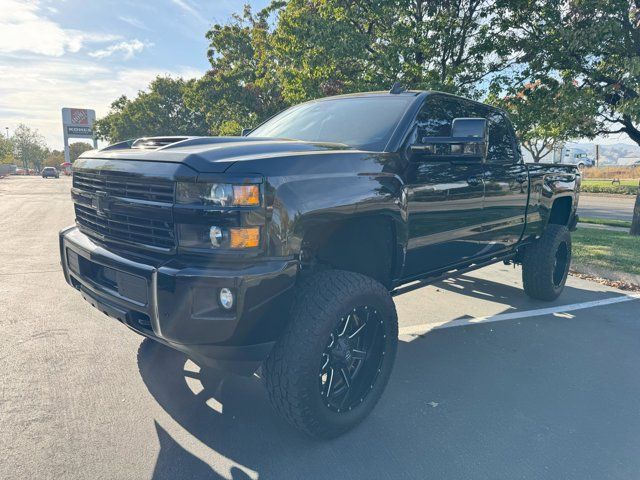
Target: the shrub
pixel 618 189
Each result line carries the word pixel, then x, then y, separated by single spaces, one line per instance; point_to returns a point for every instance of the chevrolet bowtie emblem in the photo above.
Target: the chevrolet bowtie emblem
pixel 101 203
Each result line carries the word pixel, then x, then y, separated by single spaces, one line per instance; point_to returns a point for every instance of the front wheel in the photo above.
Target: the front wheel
pixel 545 263
pixel 333 362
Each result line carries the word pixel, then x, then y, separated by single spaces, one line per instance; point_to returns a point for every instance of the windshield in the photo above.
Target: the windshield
pixel 360 122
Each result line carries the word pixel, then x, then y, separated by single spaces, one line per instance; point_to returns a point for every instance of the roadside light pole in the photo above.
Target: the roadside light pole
pixel 7 130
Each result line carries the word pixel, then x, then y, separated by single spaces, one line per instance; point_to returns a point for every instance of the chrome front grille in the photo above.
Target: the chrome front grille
pixel 113 207
pixel 124 186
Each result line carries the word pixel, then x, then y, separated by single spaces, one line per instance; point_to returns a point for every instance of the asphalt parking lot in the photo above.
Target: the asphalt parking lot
pixel 487 384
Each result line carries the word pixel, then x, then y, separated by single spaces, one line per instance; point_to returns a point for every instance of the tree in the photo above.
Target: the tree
pixel 635 224
pixel 595 42
pixel 303 49
pixel 159 111
pixel 337 46
pixel 6 151
pixel 29 147
pixel 77 148
pixel 54 158
pixel 546 112
pixel 242 87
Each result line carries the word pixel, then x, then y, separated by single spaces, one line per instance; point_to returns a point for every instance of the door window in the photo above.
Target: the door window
pixel 501 139
pixel 436 116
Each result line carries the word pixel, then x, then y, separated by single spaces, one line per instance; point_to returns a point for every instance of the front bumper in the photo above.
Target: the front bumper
pixel 177 305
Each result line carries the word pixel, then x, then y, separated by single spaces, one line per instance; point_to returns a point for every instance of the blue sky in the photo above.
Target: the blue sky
pixel 85 53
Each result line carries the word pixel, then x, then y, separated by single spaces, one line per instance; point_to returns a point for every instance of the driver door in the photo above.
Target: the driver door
pixel 444 198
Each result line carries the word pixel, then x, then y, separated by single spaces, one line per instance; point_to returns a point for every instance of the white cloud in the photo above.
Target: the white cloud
pixel 24 29
pixel 188 8
pixel 127 48
pixel 134 22
pixel 34 89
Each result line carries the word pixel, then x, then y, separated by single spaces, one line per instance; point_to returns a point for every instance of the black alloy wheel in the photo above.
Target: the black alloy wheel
pixel 352 359
pixel 546 262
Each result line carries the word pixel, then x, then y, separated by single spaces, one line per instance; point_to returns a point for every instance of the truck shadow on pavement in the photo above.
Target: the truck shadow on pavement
pixel 542 397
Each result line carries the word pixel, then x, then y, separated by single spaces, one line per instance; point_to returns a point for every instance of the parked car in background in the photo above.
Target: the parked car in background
pixel 577 157
pixel 7 169
pixel 50 172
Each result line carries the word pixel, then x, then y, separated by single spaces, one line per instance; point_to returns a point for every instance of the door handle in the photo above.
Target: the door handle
pixel 474 181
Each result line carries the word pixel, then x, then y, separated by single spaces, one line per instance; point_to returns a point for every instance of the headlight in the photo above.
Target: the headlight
pixel 224 238
pixel 221 194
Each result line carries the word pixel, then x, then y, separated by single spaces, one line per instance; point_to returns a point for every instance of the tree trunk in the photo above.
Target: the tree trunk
pixel 635 224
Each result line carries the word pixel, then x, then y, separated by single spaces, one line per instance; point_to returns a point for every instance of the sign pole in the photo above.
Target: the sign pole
pixel 66 146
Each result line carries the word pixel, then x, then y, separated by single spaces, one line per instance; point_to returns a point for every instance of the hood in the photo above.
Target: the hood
pixel 212 154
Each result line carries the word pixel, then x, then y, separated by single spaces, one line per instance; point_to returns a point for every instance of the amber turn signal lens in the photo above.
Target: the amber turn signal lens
pixel 246 195
pixel 244 237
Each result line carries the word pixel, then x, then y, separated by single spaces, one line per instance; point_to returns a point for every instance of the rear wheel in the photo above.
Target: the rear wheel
pixel 545 264
pixel 333 362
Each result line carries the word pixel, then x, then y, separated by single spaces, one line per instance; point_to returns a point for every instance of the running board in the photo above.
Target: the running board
pixel 426 281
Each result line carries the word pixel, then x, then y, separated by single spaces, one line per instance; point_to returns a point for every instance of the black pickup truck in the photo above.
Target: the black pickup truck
pixel 282 248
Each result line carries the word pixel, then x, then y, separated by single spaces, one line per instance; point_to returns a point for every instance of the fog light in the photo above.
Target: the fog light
pixel 226 298
pixel 215 235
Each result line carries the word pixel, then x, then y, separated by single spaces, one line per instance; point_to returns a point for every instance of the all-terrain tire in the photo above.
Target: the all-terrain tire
pixel 293 369
pixel 545 263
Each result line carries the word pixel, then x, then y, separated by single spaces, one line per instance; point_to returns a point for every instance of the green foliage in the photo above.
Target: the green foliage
pixel 241 89
pixel 326 47
pixel 606 221
pixel 606 250
pixel 54 158
pixel 545 112
pixel 610 189
pixel 29 147
pixel 77 148
pixel 159 111
pixel 6 151
pixel 596 43
pixel 304 49
pixel 629 182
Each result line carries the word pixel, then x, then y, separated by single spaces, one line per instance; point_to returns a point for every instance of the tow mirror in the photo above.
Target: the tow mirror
pixel 468 142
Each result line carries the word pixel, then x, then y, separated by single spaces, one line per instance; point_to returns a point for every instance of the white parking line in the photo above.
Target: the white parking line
pixel 424 328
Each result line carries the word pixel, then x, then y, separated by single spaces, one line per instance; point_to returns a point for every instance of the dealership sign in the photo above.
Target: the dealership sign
pixel 79 131
pixel 77 123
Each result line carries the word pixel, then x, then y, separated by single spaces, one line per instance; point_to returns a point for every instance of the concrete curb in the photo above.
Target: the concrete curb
pixel 615 276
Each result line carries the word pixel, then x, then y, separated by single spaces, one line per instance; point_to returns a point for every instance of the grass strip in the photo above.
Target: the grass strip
pixel 606 249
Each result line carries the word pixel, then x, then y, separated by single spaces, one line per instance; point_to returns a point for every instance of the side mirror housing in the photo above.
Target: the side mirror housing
pixel 469 127
pixel 246 131
pixel 468 142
